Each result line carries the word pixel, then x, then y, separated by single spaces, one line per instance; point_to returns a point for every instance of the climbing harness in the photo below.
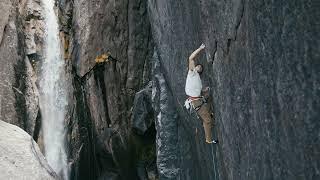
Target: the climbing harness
pixel 188 103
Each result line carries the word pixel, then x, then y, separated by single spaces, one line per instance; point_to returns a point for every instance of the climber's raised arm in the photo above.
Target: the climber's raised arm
pixel 194 55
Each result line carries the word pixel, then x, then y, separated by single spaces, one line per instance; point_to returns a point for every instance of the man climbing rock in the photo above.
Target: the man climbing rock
pixel 197 97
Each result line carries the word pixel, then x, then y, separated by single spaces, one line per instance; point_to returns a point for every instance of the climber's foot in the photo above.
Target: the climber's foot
pixel 212 141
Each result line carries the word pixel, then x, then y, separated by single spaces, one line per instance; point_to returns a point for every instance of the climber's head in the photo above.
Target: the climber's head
pixel 199 68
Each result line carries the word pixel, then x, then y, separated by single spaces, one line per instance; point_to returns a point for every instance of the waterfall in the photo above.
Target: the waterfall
pixel 53 98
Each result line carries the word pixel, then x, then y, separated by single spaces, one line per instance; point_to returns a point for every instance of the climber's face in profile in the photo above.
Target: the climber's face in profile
pixel 199 68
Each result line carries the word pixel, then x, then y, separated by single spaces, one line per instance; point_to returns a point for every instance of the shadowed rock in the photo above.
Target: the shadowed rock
pixel 142 115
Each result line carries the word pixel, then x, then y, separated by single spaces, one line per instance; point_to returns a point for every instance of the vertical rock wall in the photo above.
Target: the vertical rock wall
pixel 264 80
pixel 19 26
pixel 10 56
pixel 102 144
pixel 261 62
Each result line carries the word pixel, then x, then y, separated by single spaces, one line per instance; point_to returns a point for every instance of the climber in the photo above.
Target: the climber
pixel 197 97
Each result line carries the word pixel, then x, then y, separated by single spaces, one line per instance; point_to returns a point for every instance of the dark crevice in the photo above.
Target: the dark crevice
pixel 228 45
pixel 32 16
pixel 34 60
pixel 37 127
pixel 96 66
pixel 100 80
pixel 4 32
pixel 85 168
pixel 145 152
pixel 146 59
pixel 239 17
pixel 19 86
pixel 239 20
pixel 215 52
pixel 146 75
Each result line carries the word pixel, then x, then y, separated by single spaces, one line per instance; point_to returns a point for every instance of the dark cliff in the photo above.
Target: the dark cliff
pixel 262 65
pixel 126 118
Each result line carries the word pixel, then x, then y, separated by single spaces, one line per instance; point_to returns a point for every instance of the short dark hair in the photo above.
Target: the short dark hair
pixel 201 68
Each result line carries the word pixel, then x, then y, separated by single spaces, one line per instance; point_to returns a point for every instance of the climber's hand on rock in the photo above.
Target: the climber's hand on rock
pixel 202 46
pixel 206 89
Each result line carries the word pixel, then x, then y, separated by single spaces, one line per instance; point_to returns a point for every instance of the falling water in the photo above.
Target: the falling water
pixel 53 98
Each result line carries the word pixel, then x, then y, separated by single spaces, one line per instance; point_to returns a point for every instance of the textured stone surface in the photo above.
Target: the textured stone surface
pixel 168 154
pixel 33 27
pixel 261 62
pixel 142 112
pixel 18 92
pixel 258 67
pixel 176 34
pixel 139 48
pixel 10 55
pixel 100 27
pixel 265 82
pixel 143 134
pixel 104 94
pixel 20 157
pixel 5 12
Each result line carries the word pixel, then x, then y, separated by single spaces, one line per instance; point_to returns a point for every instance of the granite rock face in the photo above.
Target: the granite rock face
pixel 11 54
pixel 168 155
pixel 126 118
pixel 264 80
pixel 20 156
pixel 18 94
pixel 143 114
pixel 102 142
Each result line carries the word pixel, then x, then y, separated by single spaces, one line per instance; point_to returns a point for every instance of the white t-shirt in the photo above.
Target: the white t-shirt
pixel 193 84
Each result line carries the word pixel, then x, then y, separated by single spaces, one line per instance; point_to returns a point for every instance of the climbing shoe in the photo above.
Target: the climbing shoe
pixel 212 142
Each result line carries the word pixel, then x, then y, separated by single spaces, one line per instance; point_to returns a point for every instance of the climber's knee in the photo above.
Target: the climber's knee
pixel 207 131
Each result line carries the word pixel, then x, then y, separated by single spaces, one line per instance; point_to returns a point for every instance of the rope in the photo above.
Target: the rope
pixel 214 163
pixel 212 153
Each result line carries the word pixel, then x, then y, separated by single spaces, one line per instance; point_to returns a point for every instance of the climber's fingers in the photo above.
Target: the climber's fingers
pixel 202 46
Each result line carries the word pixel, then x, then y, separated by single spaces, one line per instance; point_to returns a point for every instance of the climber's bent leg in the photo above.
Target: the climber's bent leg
pixel 205 114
